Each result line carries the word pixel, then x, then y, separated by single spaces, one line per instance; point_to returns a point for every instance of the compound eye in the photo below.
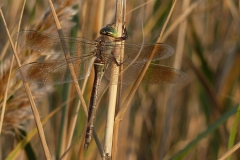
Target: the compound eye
pixel 109 31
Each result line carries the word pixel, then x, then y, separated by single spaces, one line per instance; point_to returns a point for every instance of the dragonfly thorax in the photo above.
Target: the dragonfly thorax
pixel 100 47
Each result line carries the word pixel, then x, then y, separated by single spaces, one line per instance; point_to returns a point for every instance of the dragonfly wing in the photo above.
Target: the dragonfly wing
pixel 163 74
pixel 155 74
pixel 46 43
pixel 129 74
pixel 140 53
pixel 55 72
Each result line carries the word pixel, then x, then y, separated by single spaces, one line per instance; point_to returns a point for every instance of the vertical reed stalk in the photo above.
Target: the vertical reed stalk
pixel 30 97
pixel 113 86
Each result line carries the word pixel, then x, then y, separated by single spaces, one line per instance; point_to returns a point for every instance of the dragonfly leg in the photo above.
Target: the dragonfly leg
pixel 124 32
pixel 115 60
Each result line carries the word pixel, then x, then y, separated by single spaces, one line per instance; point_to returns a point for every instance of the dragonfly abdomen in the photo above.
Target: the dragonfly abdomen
pixel 99 71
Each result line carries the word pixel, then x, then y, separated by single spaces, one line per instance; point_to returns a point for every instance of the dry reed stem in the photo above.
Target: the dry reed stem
pixel 113 87
pixel 229 152
pixel 116 129
pixel 28 91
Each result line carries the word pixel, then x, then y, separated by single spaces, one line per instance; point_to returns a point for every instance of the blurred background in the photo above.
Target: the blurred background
pixel 196 119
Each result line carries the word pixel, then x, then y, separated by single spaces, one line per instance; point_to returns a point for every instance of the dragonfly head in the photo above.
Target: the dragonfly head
pixel 109 30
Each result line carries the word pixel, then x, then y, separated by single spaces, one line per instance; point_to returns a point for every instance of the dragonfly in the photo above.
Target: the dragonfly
pixel 104 52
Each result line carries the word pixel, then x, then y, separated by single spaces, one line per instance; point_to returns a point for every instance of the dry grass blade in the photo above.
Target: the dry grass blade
pixel 8 81
pixel 70 65
pixel 14 154
pixel 228 153
pixel 33 105
pixel 99 20
pixel 67 55
pixel 180 19
pixel 140 6
pixel 64 11
pixel 5 99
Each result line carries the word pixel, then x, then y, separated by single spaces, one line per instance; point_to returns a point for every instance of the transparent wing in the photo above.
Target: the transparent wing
pixel 46 43
pixel 55 72
pixel 131 51
pixel 155 74
pixel 163 74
